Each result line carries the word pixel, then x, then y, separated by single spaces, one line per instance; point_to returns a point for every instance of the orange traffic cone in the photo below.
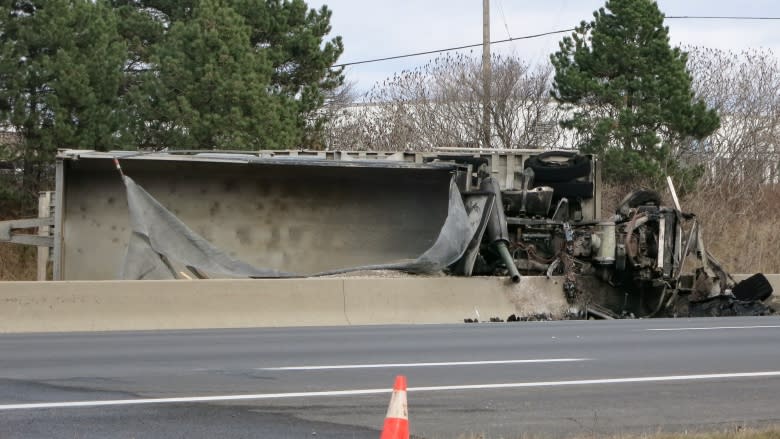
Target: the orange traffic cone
pixel 397 418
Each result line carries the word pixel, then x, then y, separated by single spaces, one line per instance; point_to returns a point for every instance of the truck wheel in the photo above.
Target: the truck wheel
pixel 756 287
pixel 571 189
pixel 557 166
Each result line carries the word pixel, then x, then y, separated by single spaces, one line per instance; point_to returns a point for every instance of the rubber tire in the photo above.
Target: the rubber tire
pixel 575 166
pixel 572 189
pixel 756 287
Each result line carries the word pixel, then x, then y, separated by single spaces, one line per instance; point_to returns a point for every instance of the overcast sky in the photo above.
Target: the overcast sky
pixel 378 28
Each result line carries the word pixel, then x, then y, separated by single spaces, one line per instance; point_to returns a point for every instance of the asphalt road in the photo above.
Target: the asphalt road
pixel 498 380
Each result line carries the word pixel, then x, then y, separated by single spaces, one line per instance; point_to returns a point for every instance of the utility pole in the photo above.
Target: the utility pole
pixel 486 74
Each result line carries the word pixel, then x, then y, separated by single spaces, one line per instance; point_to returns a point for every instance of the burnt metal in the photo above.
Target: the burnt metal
pixel 532 202
pixel 756 287
pixel 722 306
pixel 561 213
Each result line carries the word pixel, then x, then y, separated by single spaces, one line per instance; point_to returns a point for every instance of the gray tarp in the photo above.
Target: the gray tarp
pixel 161 245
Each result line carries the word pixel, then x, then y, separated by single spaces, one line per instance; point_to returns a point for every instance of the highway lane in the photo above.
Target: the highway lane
pixel 553 378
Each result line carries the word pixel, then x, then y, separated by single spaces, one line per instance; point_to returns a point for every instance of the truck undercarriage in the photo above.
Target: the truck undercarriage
pixel 646 260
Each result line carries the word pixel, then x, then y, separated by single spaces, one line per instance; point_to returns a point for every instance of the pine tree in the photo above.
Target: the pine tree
pixel 209 88
pixel 293 38
pixel 60 73
pixel 282 40
pixel 628 92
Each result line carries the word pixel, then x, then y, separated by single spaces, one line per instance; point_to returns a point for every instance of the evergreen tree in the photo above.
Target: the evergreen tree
pixel 60 72
pixel 292 37
pixel 629 93
pixel 286 43
pixel 210 89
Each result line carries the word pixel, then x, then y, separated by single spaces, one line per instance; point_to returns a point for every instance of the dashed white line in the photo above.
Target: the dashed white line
pixel 440 364
pixel 712 328
pixel 359 392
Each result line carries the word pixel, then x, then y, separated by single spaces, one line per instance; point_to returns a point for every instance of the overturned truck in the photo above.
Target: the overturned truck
pixel 276 214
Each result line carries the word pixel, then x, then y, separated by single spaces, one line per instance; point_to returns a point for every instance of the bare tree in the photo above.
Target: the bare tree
pixel 335 113
pixel 440 105
pixel 745 89
pixel 741 186
pixel 522 113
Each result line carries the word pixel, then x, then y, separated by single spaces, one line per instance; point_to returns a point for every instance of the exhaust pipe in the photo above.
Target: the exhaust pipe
pixel 508 261
pixel 497 229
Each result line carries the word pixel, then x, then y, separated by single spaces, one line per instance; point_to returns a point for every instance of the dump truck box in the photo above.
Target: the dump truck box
pixel 300 212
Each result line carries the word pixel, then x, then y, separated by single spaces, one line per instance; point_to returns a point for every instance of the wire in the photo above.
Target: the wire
pixel 718 17
pixel 528 37
pixel 542 52
pixel 503 16
pixel 449 49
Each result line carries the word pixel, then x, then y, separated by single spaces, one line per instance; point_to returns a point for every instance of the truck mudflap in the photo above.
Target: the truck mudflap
pixel 163 247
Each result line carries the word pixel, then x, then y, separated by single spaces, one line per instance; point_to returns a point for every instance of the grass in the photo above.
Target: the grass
pixel 18 262
pixel 740 227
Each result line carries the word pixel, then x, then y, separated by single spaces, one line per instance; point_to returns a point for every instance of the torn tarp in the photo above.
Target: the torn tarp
pixel 161 246
pixel 450 245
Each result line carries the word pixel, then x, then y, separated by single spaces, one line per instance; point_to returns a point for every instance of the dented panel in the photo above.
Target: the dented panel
pixel 302 219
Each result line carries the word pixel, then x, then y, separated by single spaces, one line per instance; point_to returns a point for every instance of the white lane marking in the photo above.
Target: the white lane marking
pixel 451 363
pixel 358 392
pixel 710 328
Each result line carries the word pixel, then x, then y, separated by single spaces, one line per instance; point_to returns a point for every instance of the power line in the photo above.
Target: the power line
pixel 528 37
pixel 449 49
pixel 718 17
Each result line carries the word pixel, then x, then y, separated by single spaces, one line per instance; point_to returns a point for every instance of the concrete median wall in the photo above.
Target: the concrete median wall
pixel 155 305
pixel 201 304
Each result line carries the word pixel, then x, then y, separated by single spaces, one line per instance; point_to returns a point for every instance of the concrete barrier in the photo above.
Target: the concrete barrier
pixel 155 305
pixel 201 304
pixel 449 299
pixel 118 305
